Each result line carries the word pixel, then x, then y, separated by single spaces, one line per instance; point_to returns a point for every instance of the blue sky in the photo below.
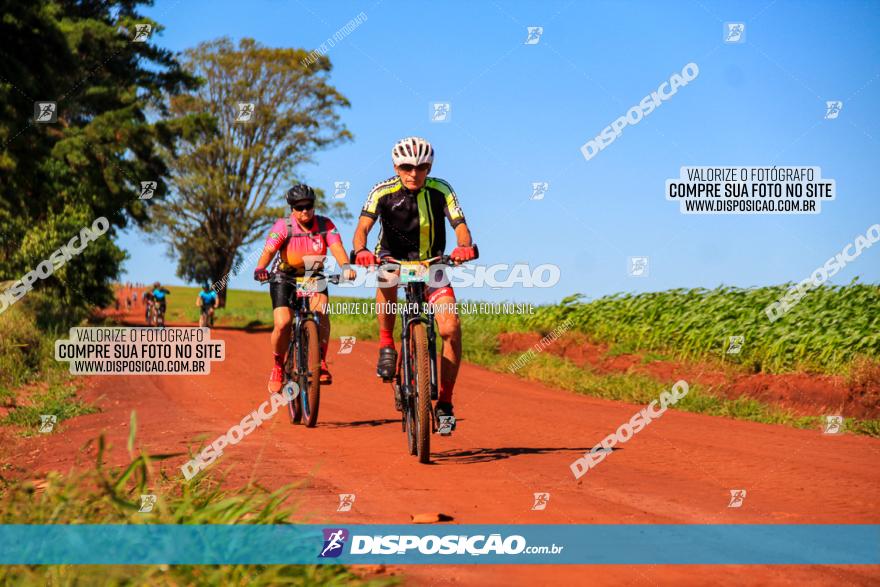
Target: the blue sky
pixel 521 112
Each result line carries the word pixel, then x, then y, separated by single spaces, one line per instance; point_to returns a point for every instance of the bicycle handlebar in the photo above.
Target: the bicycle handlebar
pixel 444 259
pixel 283 278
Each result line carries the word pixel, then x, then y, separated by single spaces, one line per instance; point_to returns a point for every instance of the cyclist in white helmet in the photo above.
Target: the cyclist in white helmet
pixel 411 206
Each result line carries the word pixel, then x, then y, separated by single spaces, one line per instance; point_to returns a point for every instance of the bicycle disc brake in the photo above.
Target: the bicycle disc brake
pixel 291 390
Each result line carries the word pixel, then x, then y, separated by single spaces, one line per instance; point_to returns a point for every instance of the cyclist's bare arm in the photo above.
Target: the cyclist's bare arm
pixel 338 252
pixel 265 258
pixel 365 224
pixel 463 234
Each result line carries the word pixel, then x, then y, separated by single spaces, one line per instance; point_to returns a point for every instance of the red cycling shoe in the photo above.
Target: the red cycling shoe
pixel 275 379
pixel 325 377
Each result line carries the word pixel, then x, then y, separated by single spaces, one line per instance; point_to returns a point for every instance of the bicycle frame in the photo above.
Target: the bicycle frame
pixel 415 294
pixel 301 313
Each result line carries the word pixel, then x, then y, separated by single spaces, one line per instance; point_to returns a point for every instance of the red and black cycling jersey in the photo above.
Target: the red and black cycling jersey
pixel 412 222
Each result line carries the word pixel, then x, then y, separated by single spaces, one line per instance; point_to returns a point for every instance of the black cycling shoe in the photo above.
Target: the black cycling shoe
pixel 444 409
pixel 445 418
pixel 387 364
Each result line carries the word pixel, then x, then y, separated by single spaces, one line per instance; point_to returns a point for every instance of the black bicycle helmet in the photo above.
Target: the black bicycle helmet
pixel 300 192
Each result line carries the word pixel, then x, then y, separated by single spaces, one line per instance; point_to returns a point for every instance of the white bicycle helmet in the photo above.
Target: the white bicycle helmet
pixel 412 150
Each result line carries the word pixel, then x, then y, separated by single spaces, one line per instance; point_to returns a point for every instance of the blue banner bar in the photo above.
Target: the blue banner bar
pixel 765 544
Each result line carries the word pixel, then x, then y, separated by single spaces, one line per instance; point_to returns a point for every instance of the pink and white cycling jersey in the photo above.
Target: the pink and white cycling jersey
pixel 311 243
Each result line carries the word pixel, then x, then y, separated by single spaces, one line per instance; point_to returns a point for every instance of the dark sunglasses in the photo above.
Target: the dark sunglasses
pixel 303 207
pixel 408 168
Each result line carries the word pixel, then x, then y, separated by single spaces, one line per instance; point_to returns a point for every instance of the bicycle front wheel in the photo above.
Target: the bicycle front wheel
pixel 310 383
pixel 422 388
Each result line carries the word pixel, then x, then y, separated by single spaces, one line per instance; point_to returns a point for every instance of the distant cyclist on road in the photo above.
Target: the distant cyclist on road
pixel 159 300
pixel 207 301
pixel 302 241
pixel 411 206
pixel 148 304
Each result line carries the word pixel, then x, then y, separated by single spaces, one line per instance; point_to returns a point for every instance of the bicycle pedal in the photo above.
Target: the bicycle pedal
pixel 291 391
pixel 446 426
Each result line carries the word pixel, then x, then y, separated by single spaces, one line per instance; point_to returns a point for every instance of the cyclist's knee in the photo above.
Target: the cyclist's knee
pixel 282 324
pixel 449 327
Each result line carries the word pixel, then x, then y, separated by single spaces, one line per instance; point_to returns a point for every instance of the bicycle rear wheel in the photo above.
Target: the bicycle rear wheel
pixel 409 424
pixel 293 409
pixel 310 381
pixel 422 389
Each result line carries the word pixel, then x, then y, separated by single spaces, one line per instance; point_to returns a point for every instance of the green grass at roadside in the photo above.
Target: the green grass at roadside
pixel 554 371
pixel 27 363
pixel 58 397
pixel 105 495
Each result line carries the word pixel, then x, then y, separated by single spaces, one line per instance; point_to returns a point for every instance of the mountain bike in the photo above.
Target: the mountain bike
pixel 415 380
pixel 159 315
pixel 302 364
pixel 206 316
pixel 149 313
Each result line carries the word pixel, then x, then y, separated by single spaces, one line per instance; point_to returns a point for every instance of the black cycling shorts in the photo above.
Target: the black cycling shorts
pixel 283 294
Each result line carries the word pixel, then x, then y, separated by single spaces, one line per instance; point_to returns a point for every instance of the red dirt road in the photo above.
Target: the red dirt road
pixel 513 439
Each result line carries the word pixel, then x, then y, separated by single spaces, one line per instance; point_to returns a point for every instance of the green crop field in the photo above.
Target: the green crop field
pixel 830 327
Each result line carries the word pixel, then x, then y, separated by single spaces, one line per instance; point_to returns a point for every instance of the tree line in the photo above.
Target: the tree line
pixel 192 148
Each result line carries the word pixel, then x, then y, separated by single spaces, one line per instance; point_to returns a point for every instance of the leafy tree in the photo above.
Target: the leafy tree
pixel 227 173
pixel 57 178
